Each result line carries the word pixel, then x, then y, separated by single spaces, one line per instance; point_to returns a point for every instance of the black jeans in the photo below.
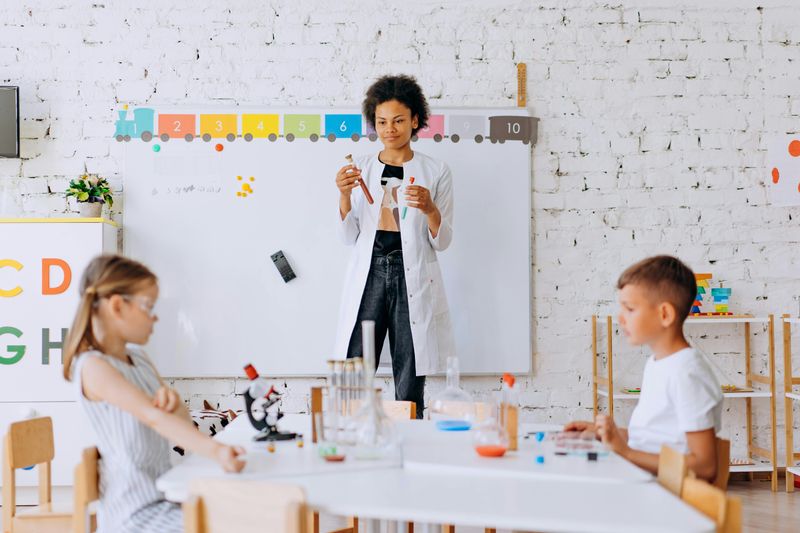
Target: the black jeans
pixel 385 301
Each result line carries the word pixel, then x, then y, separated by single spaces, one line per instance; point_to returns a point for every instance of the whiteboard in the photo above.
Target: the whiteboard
pixel 193 214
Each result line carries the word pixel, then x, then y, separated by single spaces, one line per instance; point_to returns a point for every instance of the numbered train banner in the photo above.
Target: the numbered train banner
pixel 147 124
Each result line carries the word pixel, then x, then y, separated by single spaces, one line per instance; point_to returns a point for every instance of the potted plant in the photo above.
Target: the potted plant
pixel 91 192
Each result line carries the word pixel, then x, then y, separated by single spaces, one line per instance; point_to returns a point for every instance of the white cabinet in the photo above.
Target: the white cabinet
pixel 41 264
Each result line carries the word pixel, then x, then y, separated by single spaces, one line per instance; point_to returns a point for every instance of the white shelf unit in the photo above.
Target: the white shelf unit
pixel 753 394
pixel 789 399
pixel 751 468
pixel 601 385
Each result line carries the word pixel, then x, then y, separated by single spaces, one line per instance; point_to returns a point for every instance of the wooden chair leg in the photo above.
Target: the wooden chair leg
pixel 312 522
pixel 352 526
pixel 490 530
pixel 448 528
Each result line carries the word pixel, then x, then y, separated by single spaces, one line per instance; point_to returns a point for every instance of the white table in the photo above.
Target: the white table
pixel 522 504
pixel 444 481
pixel 429 450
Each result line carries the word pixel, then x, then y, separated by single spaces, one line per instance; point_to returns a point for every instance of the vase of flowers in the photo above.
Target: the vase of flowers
pixel 91 192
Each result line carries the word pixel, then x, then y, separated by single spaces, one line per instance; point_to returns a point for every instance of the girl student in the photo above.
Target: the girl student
pixel 134 414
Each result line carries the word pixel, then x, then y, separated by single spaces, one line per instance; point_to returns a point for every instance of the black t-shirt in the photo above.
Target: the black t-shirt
pixel 387 238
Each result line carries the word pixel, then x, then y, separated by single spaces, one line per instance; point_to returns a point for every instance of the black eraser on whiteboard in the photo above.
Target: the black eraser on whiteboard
pixel 279 259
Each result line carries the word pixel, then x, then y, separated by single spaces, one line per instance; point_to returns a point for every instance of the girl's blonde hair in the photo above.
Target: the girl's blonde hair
pixel 105 276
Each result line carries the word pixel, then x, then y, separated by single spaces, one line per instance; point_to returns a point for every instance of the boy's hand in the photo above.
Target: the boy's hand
pixel 610 434
pixel 579 425
pixel 229 457
pixel 584 427
pixel 166 399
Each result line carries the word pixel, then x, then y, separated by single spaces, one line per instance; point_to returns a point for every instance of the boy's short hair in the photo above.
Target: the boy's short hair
pixel 667 278
pixel 402 88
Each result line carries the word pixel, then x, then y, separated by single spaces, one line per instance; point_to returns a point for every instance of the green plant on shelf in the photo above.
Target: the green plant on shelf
pixel 91 188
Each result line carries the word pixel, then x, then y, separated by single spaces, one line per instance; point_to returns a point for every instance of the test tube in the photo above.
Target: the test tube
pixel 364 188
pixel 331 373
pixel 336 393
pixel 348 385
pixel 358 371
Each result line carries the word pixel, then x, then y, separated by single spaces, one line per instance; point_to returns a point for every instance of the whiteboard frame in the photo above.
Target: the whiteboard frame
pixel 383 370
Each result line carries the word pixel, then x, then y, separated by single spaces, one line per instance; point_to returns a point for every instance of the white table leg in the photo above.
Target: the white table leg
pixel 371 525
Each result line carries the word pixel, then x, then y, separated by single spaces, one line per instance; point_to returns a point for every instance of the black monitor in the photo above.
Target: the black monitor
pixel 9 121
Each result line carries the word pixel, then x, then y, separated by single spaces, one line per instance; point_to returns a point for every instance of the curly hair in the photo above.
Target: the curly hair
pixel 402 88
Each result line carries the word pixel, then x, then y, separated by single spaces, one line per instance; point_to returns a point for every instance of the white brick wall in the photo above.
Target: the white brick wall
pixel 652 137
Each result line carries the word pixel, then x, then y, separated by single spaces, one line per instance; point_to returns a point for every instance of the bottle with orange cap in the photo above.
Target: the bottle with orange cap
pixel 509 410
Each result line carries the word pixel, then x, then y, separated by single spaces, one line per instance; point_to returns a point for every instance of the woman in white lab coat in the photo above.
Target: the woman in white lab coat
pixel 393 277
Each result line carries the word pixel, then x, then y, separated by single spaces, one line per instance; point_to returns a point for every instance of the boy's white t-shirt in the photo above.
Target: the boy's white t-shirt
pixel 679 394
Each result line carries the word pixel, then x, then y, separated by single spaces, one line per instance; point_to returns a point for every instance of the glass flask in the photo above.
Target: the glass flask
pixel 374 435
pixel 452 409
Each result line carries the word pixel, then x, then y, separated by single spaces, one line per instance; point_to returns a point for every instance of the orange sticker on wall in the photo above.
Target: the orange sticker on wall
pixel 783 164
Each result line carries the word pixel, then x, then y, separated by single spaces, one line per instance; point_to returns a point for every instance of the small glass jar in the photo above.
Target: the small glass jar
pixel 490 439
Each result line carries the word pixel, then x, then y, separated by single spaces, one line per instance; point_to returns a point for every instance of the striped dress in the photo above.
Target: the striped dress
pixel 132 456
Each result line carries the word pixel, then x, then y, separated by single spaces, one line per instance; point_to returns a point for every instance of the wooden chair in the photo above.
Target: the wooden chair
pixel 87 491
pixel 733 515
pixel 672 470
pixel 27 443
pixel 244 506
pixel 726 512
pixel 394 409
pixel 723 463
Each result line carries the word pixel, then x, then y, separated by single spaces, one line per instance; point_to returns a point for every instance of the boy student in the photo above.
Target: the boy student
pixel 681 401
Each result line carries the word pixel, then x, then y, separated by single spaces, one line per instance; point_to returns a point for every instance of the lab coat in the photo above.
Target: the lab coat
pixel 431 328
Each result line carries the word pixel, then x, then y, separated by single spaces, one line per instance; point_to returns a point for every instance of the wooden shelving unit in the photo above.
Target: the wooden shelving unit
pixel 789 399
pixel 603 386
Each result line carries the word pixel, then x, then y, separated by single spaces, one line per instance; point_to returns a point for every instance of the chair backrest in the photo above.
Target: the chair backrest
pixel 723 463
pixel 672 469
pixel 400 410
pixel 27 443
pixel 87 490
pixel 244 506
pixel 707 499
pixel 30 442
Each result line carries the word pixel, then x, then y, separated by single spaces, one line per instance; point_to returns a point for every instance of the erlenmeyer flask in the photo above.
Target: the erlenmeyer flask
pixel 374 434
pixel 452 409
